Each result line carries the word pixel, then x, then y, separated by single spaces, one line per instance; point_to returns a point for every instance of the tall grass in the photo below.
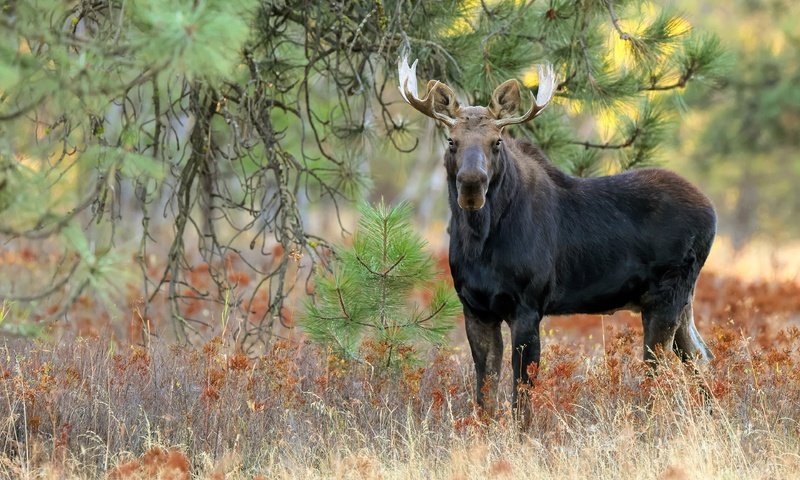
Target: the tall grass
pixel 88 408
pixel 90 402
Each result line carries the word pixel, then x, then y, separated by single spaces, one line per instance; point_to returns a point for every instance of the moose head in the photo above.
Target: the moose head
pixel 475 133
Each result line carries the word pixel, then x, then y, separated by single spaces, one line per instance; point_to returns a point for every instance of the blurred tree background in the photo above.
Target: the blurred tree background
pixel 216 146
pixel 742 141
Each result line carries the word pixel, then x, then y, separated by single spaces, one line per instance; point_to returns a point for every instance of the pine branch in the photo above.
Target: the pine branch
pixel 609 145
pixel 420 322
pixel 680 83
pixel 615 21
pixel 4 117
pixel 388 270
pixel 340 298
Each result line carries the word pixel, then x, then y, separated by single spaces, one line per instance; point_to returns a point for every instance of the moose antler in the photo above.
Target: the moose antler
pixel 547 86
pixel 408 89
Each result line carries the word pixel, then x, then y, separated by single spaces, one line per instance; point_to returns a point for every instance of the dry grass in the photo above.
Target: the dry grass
pixel 82 409
pixel 97 405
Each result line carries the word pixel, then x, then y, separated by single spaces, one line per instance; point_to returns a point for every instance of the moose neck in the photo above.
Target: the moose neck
pixel 471 229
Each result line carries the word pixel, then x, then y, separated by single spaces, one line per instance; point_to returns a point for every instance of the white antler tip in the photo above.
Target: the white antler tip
pixel 547 84
pixel 408 77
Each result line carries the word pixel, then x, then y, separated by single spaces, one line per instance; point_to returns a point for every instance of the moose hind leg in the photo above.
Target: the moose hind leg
pixel 689 345
pixel 660 325
pixel 664 309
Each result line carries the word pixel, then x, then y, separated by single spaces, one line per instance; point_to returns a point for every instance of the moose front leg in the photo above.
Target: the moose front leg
pixel 526 351
pixel 486 343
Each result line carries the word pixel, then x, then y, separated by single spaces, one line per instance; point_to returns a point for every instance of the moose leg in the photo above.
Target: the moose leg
pixel 486 343
pixel 660 325
pixel 689 346
pixel 527 350
pixel 663 310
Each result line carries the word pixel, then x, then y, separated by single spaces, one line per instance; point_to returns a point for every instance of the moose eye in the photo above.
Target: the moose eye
pixel 451 144
pixel 497 144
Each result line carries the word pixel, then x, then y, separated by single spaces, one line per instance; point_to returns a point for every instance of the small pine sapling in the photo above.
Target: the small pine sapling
pixel 383 290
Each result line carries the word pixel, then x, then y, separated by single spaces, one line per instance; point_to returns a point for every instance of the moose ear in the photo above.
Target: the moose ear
pixel 444 100
pixel 505 99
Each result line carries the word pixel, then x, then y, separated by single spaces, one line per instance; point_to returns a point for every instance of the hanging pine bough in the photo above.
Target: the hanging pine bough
pixel 198 137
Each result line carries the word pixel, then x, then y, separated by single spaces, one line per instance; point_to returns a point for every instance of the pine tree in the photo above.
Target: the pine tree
pixel 372 291
pixel 622 66
pixel 226 122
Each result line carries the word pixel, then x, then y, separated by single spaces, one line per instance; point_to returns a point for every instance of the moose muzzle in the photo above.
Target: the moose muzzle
pixel 472 180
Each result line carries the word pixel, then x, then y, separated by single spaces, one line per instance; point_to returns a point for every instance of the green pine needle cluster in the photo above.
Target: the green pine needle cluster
pixel 376 290
pixel 203 39
pixel 619 63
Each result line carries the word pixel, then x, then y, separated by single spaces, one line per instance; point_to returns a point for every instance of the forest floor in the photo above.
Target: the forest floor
pixel 89 402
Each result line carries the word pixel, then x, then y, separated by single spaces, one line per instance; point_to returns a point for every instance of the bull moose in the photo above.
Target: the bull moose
pixel 528 240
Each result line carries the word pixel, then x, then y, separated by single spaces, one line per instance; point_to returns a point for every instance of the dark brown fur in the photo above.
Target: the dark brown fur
pixel 528 240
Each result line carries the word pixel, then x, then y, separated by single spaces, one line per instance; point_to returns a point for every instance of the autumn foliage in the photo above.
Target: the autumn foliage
pixel 100 407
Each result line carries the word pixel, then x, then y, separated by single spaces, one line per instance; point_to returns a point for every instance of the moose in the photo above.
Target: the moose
pixel 528 240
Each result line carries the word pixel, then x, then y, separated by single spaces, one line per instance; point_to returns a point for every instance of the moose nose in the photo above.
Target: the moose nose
pixel 472 177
